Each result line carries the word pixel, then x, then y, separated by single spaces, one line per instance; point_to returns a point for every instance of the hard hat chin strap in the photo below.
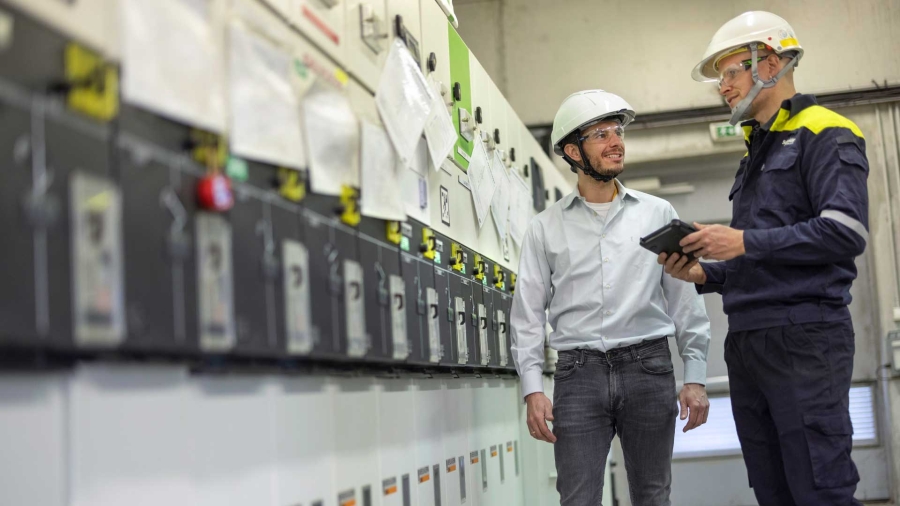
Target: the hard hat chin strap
pixel 587 169
pixel 737 114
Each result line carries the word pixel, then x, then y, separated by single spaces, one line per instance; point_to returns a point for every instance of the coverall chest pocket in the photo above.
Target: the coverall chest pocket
pixel 780 183
pixel 734 195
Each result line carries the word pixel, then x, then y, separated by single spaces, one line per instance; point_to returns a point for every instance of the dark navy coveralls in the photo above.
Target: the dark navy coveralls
pixel 800 196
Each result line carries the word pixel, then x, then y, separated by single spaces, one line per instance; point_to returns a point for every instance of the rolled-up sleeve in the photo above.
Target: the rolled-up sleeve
pixel 528 316
pixel 687 309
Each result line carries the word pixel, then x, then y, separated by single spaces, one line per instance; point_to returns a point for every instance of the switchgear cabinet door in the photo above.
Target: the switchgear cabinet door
pixel 251 235
pixel 22 324
pixel 158 210
pixel 88 231
pixel 445 316
pixel 158 254
pixel 325 284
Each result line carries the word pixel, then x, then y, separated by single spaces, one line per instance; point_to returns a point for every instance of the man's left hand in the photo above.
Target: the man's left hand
pixel 693 398
pixel 714 242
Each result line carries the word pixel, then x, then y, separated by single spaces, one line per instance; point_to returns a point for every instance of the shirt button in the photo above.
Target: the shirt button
pixel 606 260
pixel 608 286
pixel 603 236
pixel 608 313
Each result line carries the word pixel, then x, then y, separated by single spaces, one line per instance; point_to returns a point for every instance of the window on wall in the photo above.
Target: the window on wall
pixel 719 436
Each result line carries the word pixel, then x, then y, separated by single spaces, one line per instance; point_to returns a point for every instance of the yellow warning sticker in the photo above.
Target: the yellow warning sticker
pixel 92 83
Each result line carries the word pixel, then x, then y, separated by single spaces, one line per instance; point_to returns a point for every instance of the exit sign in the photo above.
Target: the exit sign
pixel 725 132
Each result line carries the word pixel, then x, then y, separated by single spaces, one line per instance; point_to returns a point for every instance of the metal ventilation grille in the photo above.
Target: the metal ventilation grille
pixel 719 436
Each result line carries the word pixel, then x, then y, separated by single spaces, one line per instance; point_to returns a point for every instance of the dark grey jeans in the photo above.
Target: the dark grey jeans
pixel 629 392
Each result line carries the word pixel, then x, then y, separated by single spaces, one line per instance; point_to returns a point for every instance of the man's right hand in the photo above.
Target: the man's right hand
pixel 679 267
pixel 540 409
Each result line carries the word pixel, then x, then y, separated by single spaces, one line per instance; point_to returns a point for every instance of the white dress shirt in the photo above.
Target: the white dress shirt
pixel 600 288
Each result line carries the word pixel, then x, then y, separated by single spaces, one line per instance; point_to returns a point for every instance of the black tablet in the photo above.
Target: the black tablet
pixel 666 239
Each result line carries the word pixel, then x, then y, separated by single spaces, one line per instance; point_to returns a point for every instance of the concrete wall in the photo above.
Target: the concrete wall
pixel 645 50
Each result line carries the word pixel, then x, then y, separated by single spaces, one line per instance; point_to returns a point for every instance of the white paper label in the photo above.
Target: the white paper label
pixel 414 185
pixel 434 325
pixel 296 298
pixel 214 282
pixel 398 317
pixel 481 181
pixel 501 334
pixel 404 100
pixel 439 129
pixel 265 111
pixel 500 202
pixel 520 208
pixel 173 60
pixel 98 297
pixel 380 176
pixel 332 138
pixel 357 344
pixel 483 335
pixel 462 344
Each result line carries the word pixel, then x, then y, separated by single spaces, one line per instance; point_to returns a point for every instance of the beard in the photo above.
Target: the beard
pixel 606 167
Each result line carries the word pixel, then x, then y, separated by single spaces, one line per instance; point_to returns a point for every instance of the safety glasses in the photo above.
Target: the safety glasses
pixel 729 74
pixel 604 135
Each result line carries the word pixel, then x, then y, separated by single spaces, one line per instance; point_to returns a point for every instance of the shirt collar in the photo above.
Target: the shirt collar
pixel 624 193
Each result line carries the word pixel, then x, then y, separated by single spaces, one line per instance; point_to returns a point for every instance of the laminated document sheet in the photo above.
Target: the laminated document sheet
pixel 380 191
pixel 265 111
pixel 439 129
pixel 332 139
pixel 520 207
pixel 481 181
pixel 172 60
pixel 500 202
pixel 414 184
pixel 404 100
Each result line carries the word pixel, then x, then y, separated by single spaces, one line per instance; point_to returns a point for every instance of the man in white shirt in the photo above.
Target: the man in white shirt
pixel 611 310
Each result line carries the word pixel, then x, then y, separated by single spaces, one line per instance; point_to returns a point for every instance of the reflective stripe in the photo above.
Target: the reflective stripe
pixel 815 118
pixel 848 222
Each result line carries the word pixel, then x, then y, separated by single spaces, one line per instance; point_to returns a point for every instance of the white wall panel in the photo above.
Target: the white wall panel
pixel 305 444
pixel 134 437
pixel 396 435
pixel 428 413
pixel 233 433
pixel 33 431
pixel 356 436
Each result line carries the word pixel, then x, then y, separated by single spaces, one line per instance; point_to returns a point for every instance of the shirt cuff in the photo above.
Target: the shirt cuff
pixel 532 381
pixel 695 372
pixel 757 244
pixel 708 287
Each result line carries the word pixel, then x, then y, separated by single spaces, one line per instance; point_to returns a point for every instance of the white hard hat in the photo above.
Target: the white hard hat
pixel 584 108
pixel 756 27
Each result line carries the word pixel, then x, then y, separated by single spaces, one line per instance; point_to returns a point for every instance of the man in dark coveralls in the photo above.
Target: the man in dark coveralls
pixel 800 217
